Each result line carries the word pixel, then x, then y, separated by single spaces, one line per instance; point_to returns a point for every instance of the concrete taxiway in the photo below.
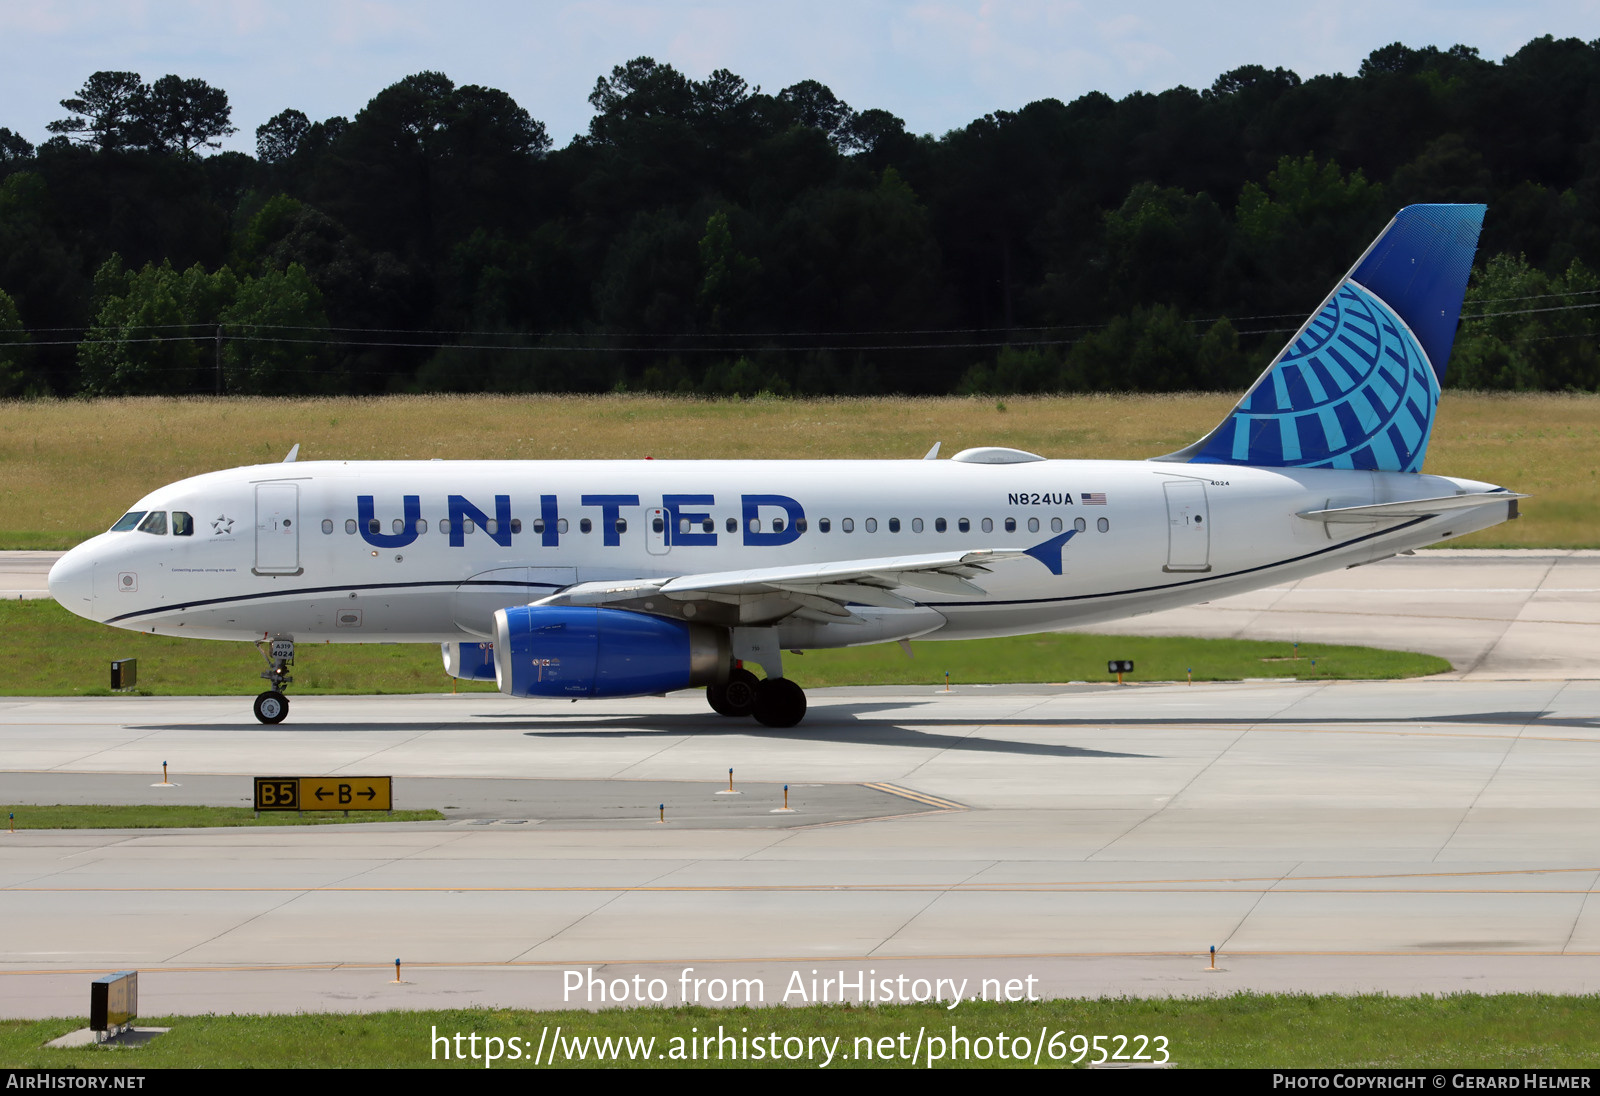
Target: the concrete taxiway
pixel 1405 836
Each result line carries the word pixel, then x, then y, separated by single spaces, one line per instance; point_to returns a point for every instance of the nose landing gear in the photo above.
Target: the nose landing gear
pixel 272 706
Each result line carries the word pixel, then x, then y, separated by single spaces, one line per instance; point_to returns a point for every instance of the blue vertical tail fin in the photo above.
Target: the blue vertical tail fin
pixel 1358 384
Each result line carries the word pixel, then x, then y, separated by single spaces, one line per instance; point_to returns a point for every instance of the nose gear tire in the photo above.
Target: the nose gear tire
pixel 271 706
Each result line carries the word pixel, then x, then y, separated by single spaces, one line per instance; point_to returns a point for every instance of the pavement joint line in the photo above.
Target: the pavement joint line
pixel 563 964
pixel 811 888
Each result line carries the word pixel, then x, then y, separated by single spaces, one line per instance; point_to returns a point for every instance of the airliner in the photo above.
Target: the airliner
pixel 625 578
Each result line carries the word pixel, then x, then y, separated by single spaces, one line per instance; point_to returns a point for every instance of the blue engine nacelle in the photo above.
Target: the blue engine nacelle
pixel 469 661
pixel 563 651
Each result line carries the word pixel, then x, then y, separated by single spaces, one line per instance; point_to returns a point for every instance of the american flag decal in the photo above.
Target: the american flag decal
pixel 1092 498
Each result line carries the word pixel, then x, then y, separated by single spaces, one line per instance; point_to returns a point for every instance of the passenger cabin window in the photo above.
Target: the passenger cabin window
pixel 183 524
pixel 373 525
pixel 561 525
pixel 1011 525
pixel 824 525
pixel 492 526
pixel 871 525
pixel 155 523
pixel 733 525
pixel 585 525
pixel 444 525
pixel 127 521
pixel 398 525
pixel 516 526
pixel 754 525
pixel 1033 525
pixel 538 525
pixel 1103 525
pixel 327 525
pixel 622 525
pixel 964 525
pixel 777 525
pixel 350 526
pixel 988 525
pixel 1055 525
pixel 800 524
pixel 708 526
pixel 894 525
pixel 847 525
pixel 1079 524
pixel 916 525
pixel 422 525
pixel 939 525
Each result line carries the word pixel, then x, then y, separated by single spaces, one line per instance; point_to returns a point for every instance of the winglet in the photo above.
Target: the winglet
pixel 1049 552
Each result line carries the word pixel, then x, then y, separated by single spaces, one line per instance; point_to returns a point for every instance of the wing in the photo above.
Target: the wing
pixel 820 592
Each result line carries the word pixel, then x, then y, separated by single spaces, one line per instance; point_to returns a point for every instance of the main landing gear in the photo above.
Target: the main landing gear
pixel 272 706
pixel 775 702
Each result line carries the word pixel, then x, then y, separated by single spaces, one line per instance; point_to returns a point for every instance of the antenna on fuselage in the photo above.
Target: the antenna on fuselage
pixel 293 453
pixel 933 454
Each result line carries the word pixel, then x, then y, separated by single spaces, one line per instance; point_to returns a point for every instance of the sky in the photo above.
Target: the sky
pixel 937 64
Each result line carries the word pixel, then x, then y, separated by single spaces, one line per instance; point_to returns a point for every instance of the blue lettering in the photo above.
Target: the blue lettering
pixel 609 505
pixel 752 512
pixel 365 515
pixel 676 517
pixel 550 538
pixel 460 508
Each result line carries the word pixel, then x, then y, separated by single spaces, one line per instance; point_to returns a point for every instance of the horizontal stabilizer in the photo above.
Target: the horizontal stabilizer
pixel 1411 508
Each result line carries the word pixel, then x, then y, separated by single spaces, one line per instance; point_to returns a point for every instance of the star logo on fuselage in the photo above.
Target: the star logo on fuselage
pixel 222 526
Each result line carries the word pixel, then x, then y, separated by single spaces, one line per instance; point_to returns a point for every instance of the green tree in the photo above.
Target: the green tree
pixel 729 274
pixel 280 137
pixel 107 113
pixel 13 347
pixel 184 115
pixel 1523 329
pixel 272 328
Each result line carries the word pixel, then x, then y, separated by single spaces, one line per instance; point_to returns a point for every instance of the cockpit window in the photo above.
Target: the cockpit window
pixel 182 524
pixel 127 521
pixel 155 523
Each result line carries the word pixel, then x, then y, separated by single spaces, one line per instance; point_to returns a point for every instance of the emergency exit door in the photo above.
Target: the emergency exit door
pixel 1188 527
pixel 277 529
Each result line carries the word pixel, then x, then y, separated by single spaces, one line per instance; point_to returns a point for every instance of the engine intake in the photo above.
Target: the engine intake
pixel 562 651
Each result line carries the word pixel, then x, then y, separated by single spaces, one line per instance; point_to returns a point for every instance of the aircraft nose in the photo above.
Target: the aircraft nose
pixel 71 582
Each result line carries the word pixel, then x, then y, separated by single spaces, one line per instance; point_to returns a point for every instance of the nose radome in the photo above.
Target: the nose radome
pixel 71 582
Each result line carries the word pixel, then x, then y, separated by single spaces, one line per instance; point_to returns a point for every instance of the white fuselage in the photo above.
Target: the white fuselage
pixel 290 549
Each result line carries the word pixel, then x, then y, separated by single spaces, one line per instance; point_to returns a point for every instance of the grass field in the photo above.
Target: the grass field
pixel 46 651
pixel 1245 1031
pixel 71 467
pixel 75 816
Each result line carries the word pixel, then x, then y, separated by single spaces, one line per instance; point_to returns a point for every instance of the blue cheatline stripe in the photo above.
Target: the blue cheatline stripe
pixel 238 598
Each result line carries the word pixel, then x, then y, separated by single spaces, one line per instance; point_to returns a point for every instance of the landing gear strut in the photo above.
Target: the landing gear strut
pixel 272 706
